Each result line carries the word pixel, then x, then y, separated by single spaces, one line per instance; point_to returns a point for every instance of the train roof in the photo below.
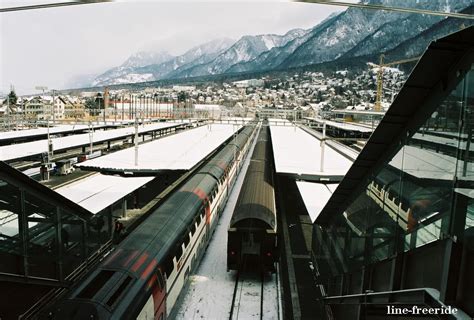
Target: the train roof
pixel 256 203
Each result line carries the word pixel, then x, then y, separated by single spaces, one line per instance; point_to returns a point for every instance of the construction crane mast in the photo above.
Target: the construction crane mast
pixel 381 66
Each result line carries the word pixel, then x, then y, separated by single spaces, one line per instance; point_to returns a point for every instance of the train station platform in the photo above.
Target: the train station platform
pixel 36 148
pixel 308 167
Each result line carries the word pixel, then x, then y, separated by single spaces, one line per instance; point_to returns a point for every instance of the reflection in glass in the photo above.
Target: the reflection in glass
pixel 417 196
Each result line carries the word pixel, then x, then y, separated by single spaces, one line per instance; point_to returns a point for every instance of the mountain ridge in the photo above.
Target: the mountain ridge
pixel 350 34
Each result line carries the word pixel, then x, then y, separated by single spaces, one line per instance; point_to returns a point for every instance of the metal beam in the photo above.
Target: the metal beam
pixel 425 296
pixel 10 277
pixel 50 5
pixel 395 9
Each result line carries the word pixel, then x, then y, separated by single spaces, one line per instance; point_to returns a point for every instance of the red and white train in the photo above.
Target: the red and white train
pixel 144 275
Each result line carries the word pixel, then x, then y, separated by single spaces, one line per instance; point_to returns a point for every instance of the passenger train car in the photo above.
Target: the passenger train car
pixel 252 234
pixel 143 277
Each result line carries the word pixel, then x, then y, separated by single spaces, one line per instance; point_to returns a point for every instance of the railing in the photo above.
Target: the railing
pixel 80 271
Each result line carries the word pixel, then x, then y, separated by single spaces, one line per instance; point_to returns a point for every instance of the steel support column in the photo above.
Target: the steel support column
pixel 60 244
pixel 23 231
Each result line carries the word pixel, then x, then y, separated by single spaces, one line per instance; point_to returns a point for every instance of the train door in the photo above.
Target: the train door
pixel 269 251
pixel 234 249
pixel 251 250
pixel 250 244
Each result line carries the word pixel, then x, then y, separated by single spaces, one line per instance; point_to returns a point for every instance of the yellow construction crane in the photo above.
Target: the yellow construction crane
pixel 381 65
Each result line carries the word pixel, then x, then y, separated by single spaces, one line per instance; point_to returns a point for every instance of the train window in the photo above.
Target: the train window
pixel 118 293
pixel 168 266
pixel 193 228
pixel 178 252
pixel 96 284
pixel 186 239
pixel 198 220
pixel 404 207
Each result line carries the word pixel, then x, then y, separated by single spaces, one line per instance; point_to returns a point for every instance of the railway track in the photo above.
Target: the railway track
pixel 248 297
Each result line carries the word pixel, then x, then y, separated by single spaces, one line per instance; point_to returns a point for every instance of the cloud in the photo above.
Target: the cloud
pixel 51 46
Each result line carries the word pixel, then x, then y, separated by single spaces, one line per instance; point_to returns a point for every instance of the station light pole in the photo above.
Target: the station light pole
pixel 136 140
pixel 91 137
pixel 323 143
pixel 46 165
pixel 54 108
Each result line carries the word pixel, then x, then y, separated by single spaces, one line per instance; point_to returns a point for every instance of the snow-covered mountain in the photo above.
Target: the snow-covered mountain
pixel 275 56
pixel 245 49
pixel 196 56
pixel 354 33
pixel 357 32
pixel 127 69
pixel 148 66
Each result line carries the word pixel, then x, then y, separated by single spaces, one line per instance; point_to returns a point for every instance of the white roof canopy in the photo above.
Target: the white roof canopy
pixel 296 152
pixel 315 196
pixel 176 152
pixel 99 191
pixel 22 150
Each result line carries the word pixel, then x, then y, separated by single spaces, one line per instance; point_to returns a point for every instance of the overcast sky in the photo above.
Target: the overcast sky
pixel 48 47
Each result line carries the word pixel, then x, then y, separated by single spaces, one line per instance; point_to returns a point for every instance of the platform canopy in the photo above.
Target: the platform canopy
pixel 31 133
pixel 429 164
pixel 297 153
pixel 180 151
pixel 28 149
pixel 315 196
pixel 99 191
pixel 342 125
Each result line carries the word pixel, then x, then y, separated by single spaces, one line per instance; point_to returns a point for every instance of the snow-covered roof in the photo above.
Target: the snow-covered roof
pixel 315 196
pixel 176 152
pixel 296 152
pixel 99 191
pixel 207 107
pixel 341 125
pixel 27 149
pixel 428 164
pixel 9 223
pixel 42 131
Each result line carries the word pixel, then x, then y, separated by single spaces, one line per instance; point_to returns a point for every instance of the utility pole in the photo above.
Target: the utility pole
pixel 136 140
pixel 45 166
pixel 91 137
pixel 54 108
pixel 323 143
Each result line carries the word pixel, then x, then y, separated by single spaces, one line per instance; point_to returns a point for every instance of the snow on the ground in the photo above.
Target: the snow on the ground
pixel 211 287
pixel 248 297
pixel 270 298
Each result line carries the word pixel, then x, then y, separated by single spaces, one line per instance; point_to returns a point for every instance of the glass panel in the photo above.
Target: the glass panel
pixel 465 170
pixel 410 198
pixel 470 215
pixel 42 237
pixel 429 168
pixel 10 243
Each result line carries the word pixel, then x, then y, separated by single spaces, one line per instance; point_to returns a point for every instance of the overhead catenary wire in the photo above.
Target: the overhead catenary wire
pixel 387 8
pixel 50 5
